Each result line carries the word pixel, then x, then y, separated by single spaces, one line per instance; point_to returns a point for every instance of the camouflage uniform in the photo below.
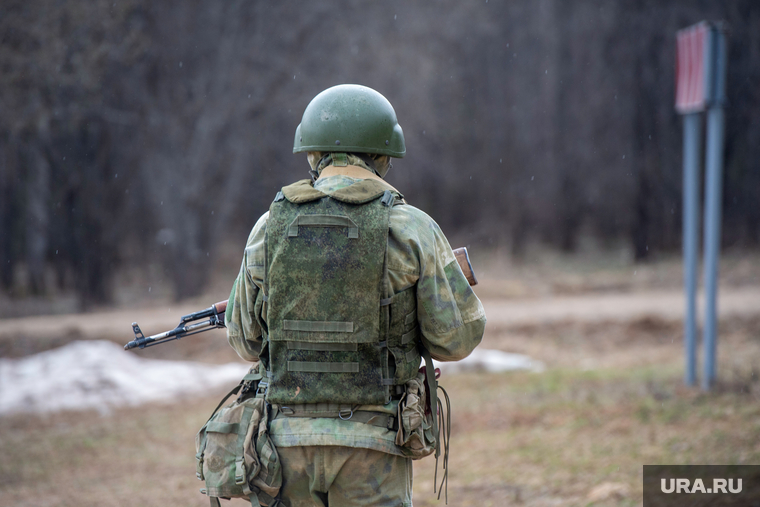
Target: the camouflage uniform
pixel 450 318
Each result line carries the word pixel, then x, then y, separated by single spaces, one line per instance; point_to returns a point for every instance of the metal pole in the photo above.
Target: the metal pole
pixel 692 140
pixel 713 195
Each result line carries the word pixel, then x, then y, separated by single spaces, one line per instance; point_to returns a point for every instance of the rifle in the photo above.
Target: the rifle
pixel 213 316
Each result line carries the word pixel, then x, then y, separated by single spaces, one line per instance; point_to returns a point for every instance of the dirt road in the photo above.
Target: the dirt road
pixel 594 307
pixel 665 305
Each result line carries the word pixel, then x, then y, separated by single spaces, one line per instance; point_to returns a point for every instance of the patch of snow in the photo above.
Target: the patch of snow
pixel 101 375
pixel 491 361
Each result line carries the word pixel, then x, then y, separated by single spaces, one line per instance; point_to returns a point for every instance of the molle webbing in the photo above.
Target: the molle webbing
pixel 322 346
pixel 318 326
pixel 323 221
pixel 404 336
pixel 323 366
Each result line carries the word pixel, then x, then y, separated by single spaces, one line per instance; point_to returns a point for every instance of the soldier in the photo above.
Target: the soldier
pixel 342 287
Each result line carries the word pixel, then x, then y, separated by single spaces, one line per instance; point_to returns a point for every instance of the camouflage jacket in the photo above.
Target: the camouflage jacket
pixel 450 316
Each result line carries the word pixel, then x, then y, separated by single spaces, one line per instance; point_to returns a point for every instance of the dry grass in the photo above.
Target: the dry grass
pixel 551 439
pixel 133 457
pixel 579 433
pixel 564 437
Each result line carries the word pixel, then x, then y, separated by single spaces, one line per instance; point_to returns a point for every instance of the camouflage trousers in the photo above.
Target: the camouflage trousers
pixel 334 476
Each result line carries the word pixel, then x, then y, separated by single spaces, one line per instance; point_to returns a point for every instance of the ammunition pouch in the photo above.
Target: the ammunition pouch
pixel 415 432
pixel 424 421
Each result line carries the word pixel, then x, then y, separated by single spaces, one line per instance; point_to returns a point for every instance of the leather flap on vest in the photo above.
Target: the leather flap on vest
pixel 301 191
pixel 362 192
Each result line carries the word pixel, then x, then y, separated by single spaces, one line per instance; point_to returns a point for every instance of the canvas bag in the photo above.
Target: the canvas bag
pixel 235 455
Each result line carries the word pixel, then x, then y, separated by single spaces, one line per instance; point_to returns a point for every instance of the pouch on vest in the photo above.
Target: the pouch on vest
pixel 424 422
pixel 235 455
pixel 415 422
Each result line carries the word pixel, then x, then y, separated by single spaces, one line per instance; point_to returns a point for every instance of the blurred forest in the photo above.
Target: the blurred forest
pixel 135 132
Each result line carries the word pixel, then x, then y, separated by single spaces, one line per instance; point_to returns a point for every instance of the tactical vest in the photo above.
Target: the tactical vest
pixel 335 332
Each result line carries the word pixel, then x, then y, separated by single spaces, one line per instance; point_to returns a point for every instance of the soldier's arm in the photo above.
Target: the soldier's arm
pixel 450 315
pixel 244 306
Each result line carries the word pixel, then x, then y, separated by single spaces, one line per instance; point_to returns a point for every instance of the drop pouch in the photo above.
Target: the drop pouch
pixel 424 422
pixel 234 453
pixel 415 428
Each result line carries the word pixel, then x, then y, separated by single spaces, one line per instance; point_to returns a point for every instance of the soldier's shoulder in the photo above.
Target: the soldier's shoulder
pixel 412 216
pixel 259 228
pixel 411 212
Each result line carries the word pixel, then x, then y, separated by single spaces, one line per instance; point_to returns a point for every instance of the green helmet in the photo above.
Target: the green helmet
pixel 352 119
